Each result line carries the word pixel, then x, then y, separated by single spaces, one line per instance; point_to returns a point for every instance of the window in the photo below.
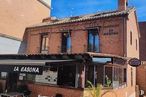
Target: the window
pixel 125 75
pixel 131 37
pixel 64 75
pixel 93 40
pixel 114 76
pixel 136 44
pixel 94 74
pixel 44 43
pixel 90 75
pixel 131 77
pixel 108 76
pixel 30 77
pixel 49 76
pixel 3 75
pixel 66 42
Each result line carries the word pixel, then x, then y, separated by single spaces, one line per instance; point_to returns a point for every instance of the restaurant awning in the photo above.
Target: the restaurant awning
pixel 27 66
pixel 34 63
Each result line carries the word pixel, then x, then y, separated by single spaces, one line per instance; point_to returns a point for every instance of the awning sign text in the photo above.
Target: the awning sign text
pixel 26 69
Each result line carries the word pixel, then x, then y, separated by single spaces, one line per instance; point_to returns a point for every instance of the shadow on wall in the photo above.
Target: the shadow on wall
pixel 22 48
pixel 23 45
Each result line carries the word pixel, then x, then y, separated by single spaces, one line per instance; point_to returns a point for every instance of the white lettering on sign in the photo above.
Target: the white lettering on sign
pixel 30 69
pixel 16 68
pixel 26 69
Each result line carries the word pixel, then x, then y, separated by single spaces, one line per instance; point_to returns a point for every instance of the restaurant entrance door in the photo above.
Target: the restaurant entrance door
pixel 66 75
pixel 11 82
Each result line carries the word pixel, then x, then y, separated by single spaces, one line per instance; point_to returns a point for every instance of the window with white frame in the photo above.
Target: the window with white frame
pixel 44 43
pixel 114 76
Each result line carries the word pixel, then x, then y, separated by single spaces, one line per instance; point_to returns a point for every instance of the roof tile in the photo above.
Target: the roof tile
pixel 85 17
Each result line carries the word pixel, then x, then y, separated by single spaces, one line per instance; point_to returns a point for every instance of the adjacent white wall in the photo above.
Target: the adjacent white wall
pixel 48 2
pixel 9 46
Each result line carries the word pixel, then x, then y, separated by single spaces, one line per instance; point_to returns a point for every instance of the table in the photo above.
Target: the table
pixel 12 94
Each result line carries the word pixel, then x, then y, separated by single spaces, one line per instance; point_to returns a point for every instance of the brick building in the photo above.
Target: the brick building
pixel 141 71
pixel 16 15
pixel 94 47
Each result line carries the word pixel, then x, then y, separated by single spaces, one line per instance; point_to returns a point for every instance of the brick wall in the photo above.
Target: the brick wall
pixel 142 44
pixel 141 77
pixel 46 90
pixel 110 44
pixel 141 71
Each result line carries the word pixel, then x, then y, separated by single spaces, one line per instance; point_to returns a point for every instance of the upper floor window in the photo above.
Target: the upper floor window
pixel 66 42
pixel 93 40
pixel 44 43
pixel 136 44
pixel 131 37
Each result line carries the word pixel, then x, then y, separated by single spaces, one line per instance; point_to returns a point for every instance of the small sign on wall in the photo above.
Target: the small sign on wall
pixel 134 62
pixel 110 32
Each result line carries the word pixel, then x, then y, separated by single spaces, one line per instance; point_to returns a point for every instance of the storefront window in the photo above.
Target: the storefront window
pixel 114 76
pixel 3 75
pixel 89 75
pixel 94 74
pixel 30 77
pixel 66 75
pixel 49 76
pixel 55 75
pixel 108 77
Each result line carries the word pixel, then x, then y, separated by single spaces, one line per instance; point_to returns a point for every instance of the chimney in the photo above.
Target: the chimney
pixel 50 19
pixel 122 4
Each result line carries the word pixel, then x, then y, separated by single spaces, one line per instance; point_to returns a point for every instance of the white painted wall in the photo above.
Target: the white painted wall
pixel 48 2
pixel 9 46
pixel 133 95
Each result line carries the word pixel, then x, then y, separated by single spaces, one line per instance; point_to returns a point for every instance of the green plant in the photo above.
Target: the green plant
pixel 94 90
pixel 108 81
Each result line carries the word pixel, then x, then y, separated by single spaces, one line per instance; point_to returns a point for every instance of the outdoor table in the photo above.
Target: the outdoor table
pixel 12 94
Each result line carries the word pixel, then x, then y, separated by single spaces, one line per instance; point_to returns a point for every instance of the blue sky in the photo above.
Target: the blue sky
pixel 67 8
